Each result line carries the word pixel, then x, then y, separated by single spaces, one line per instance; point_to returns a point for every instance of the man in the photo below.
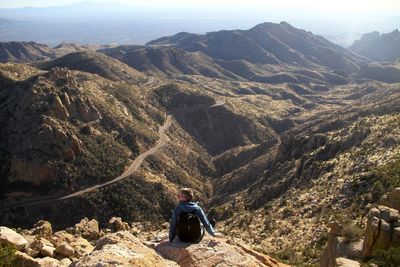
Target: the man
pixel 185 219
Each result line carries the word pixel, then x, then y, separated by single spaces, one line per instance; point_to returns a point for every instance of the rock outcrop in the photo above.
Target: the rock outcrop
pixel 116 224
pixel 72 246
pixel 122 249
pixel 214 252
pixel 392 199
pixel 88 229
pixel 42 228
pixel 382 232
pixel 383 226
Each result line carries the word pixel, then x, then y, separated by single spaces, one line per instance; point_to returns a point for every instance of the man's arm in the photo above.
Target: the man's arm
pixel 204 221
pixel 172 227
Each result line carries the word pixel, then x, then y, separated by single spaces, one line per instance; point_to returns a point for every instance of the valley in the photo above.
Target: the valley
pixel 278 131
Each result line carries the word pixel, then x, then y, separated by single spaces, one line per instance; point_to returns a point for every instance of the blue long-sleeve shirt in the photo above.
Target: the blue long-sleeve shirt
pixel 189 207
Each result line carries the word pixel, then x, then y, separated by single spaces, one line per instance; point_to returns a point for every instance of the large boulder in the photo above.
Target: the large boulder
pixel 388 214
pixel 39 246
pixel 392 199
pixel 79 245
pixel 116 224
pixel 343 262
pixel 371 235
pixel 42 228
pixel 213 252
pixel 382 226
pixel 10 237
pixel 24 260
pixel 385 236
pixel 65 250
pixel 122 249
pixel 47 251
pixel 88 229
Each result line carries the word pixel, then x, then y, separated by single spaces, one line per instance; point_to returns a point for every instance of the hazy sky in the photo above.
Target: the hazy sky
pixel 342 21
pixel 325 5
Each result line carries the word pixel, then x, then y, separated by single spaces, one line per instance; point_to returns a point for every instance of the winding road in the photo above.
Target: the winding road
pixel 163 139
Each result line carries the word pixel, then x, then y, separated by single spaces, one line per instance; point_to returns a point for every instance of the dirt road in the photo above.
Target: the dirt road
pixel 132 168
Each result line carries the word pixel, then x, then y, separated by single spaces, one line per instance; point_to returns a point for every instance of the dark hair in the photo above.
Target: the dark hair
pixel 187 192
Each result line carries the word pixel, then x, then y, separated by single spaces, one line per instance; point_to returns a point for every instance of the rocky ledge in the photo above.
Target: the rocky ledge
pixel 119 245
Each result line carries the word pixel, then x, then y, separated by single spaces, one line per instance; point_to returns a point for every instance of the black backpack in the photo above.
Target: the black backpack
pixel 189 229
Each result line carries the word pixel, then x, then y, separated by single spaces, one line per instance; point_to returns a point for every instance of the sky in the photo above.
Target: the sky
pixel 324 5
pixel 341 21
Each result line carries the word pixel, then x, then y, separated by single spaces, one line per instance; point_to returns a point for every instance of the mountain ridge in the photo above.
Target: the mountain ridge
pixel 282 38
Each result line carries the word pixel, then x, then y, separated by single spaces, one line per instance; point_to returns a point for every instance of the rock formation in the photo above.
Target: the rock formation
pixel 122 249
pixel 214 252
pixel 382 232
pixel 383 226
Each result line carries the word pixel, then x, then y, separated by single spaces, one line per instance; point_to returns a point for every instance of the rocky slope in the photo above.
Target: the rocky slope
pixel 119 245
pixel 168 60
pixel 84 129
pixel 320 171
pixel 377 46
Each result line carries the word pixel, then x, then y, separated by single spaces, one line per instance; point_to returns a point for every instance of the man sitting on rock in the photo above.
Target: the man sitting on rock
pixel 186 219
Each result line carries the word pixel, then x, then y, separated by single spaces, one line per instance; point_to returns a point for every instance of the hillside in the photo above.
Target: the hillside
pixel 168 60
pixel 377 46
pixel 322 170
pixel 389 73
pixel 28 52
pixel 85 130
pixel 93 62
pixel 24 52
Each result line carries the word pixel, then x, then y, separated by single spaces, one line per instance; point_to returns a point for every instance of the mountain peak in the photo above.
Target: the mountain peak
pixel 379 46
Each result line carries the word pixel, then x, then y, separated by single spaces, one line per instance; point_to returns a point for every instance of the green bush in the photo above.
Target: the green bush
pixel 352 232
pixel 387 258
pixel 7 255
pixel 377 191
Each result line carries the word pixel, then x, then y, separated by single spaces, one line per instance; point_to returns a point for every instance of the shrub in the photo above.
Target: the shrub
pixel 377 191
pixel 352 232
pixel 387 258
pixel 7 255
pixel 322 241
